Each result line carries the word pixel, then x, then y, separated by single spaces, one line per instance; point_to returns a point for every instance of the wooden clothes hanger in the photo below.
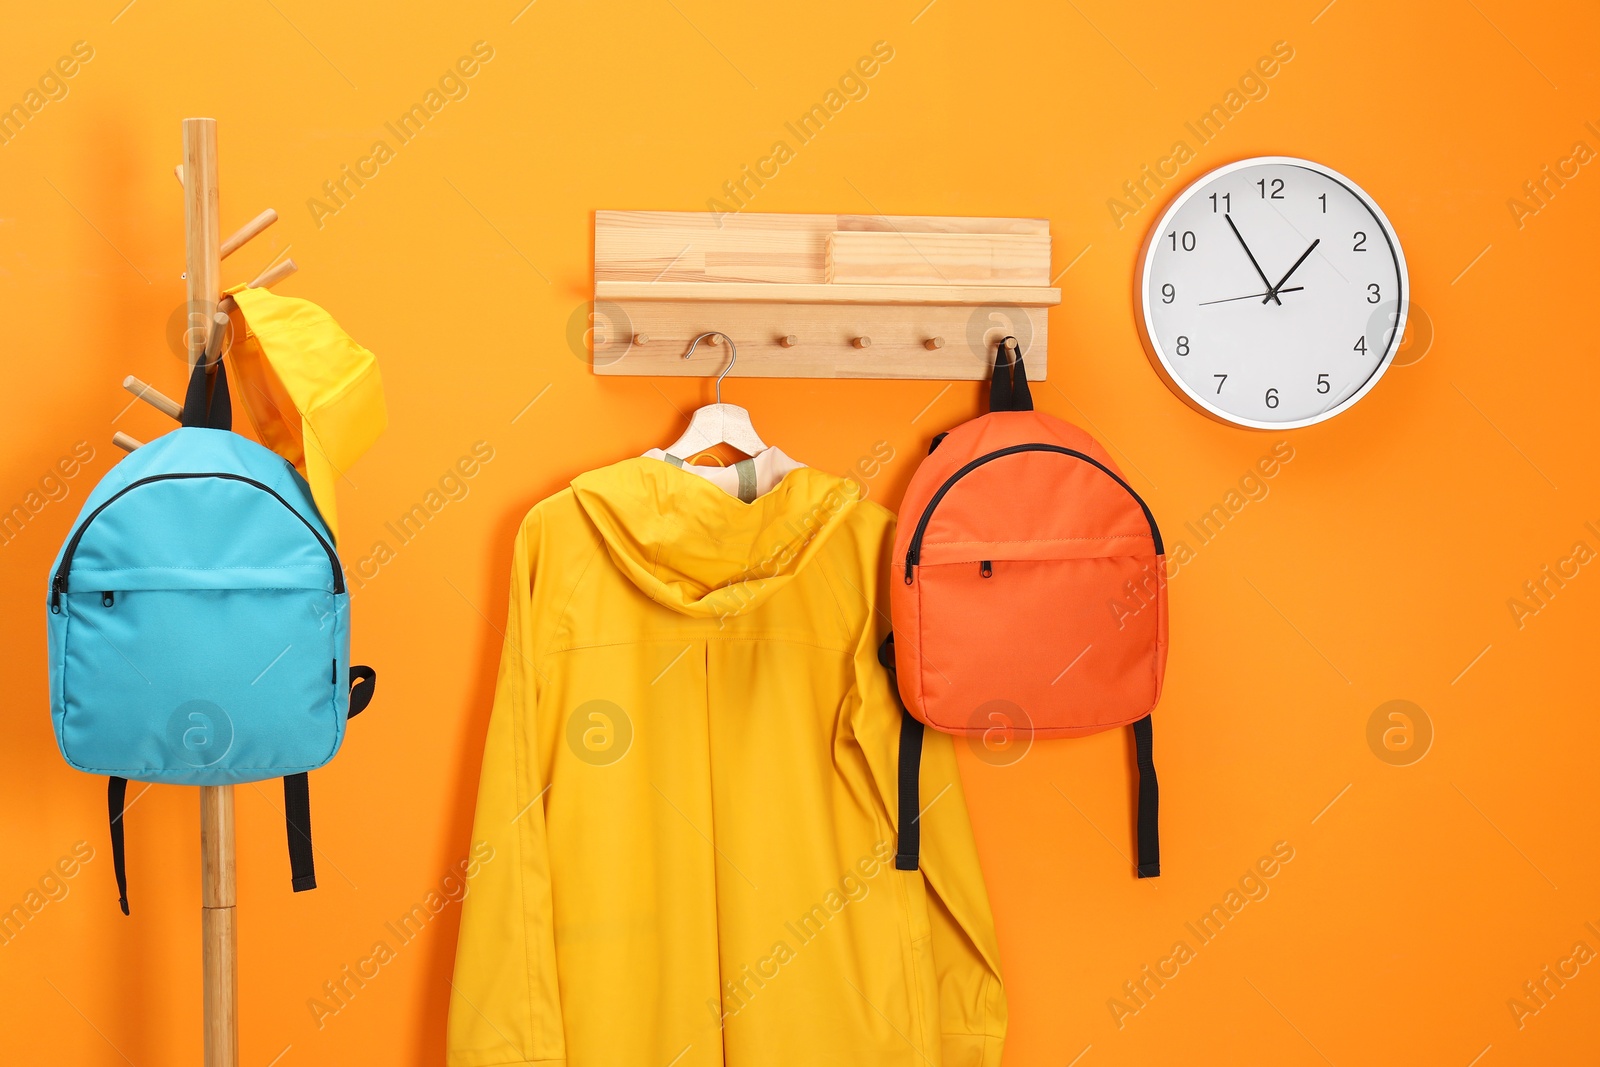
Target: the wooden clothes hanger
pixel 718 423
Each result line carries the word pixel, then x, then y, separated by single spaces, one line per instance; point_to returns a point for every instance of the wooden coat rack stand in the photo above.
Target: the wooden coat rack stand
pixel 208 323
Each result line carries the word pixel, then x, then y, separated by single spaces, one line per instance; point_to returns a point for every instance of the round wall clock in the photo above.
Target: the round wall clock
pixel 1272 293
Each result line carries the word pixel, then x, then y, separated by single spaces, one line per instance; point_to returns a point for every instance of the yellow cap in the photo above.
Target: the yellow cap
pixel 313 395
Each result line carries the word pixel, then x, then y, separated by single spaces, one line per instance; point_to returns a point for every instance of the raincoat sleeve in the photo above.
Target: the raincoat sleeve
pixel 971 1010
pixel 505 1008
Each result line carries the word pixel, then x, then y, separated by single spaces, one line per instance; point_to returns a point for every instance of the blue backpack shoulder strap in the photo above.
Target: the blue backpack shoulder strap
pixel 206 404
pixel 296 806
pixel 116 801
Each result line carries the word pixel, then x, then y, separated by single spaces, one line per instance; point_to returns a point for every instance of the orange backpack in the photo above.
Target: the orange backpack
pixel 1028 594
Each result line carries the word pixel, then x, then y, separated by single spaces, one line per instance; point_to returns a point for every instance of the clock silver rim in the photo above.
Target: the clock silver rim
pixel 1168 373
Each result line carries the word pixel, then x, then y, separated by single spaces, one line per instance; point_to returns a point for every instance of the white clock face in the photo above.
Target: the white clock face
pixel 1274 293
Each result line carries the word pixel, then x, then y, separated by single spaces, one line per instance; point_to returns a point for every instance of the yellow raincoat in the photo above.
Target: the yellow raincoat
pixel 689 787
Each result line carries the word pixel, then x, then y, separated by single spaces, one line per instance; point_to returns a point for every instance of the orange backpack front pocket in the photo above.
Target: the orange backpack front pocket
pixel 1063 640
pixel 1055 608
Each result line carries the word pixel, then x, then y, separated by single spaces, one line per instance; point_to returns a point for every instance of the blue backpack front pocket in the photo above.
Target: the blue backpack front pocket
pixel 255 692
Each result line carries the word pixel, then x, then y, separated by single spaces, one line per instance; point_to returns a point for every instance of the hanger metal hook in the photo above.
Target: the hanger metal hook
pixel 733 355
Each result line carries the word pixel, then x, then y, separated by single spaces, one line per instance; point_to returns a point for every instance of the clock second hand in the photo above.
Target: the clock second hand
pixel 1249 296
pixel 1271 293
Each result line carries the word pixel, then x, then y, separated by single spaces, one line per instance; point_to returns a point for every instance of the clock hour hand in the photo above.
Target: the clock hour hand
pixel 1271 292
pixel 1249 296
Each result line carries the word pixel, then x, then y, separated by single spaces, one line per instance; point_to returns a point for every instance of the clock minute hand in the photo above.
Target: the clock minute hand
pixel 1272 293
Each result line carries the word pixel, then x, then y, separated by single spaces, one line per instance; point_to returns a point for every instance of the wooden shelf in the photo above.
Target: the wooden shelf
pixel 819 296
pixel 791 293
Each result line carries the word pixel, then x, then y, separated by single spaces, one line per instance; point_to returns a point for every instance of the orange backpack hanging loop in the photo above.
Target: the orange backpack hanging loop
pixel 1032 584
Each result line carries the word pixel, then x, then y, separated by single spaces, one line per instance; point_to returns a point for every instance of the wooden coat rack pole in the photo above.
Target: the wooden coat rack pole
pixel 207 323
pixel 219 931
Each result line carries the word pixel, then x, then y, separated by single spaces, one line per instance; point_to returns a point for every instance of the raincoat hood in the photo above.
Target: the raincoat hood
pixel 312 393
pixel 692 547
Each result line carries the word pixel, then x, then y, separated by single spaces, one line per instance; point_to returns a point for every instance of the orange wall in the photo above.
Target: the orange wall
pixel 1377 568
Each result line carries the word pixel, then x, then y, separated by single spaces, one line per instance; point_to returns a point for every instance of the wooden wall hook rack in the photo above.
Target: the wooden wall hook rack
pixel 820 296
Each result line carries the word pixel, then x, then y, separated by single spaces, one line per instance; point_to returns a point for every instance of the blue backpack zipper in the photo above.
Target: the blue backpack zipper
pixel 59 584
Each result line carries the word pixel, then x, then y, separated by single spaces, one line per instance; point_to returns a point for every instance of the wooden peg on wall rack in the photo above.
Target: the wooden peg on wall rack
pixel 246 232
pixel 861 342
pixel 933 344
pixel 788 340
pixel 156 399
pixel 125 442
pixel 641 338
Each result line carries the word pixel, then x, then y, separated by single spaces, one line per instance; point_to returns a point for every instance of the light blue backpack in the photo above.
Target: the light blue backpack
pixel 199 624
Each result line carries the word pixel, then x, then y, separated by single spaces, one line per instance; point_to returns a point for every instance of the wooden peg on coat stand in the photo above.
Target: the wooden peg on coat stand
pixel 154 397
pixel 273 274
pixel 125 442
pixel 219 330
pixel 265 280
pixel 246 232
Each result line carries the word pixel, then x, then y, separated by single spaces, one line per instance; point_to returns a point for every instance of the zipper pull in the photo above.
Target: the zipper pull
pixel 986 569
pixel 56 589
pixel 107 598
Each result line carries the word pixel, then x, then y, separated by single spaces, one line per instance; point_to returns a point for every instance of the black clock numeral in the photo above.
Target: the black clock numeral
pixel 1187 239
pixel 1360 240
pixel 1322 383
pixel 1183 345
pixel 1374 294
pixel 1360 345
pixel 1324 198
pixel 1272 398
pixel 1222 379
pixel 1168 293
pixel 1277 189
pixel 1227 202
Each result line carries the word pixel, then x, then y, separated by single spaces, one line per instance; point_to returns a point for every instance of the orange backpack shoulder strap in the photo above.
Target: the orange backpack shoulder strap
pixel 1008 387
pixel 908 844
